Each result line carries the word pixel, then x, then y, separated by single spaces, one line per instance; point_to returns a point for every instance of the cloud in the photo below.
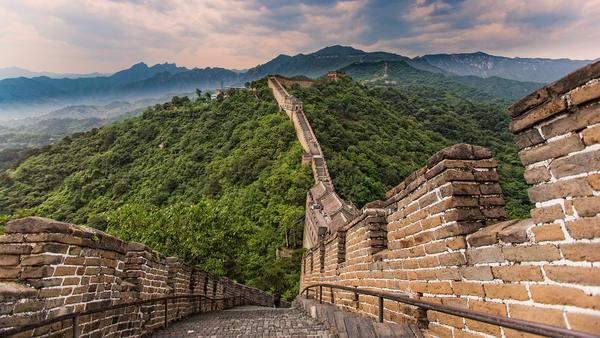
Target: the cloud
pixel 106 35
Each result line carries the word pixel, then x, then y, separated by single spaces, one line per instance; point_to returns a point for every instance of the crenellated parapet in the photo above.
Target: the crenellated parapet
pixel 50 268
pixel 441 235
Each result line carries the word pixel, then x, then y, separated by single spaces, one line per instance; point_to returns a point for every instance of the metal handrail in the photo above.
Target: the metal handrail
pixel 74 316
pixel 517 324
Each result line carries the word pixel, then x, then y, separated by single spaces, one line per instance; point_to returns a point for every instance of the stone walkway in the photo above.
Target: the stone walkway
pixel 248 321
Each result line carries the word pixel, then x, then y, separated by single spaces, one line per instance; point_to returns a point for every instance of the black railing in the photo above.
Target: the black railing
pixel 512 323
pixel 74 317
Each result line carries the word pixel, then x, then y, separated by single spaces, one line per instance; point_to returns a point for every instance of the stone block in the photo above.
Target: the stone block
pixel 459 152
pixel 572 122
pixel 545 252
pixel 30 225
pixel 575 187
pixel 516 232
pixel 551 150
pixel 579 163
pixel 15 290
pixel 536 115
pixel 548 232
pixel 537 175
pixel 528 138
pixel 591 135
pixel 532 100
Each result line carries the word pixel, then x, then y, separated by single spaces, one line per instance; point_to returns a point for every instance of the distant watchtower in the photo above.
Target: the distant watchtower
pixel 335 75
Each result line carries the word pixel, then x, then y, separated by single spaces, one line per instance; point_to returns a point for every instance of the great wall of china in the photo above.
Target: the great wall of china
pixel 325 210
pixel 440 237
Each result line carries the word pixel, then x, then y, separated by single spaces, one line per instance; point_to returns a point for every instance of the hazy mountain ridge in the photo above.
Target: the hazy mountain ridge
pixel 31 96
pixel 520 69
pixel 12 72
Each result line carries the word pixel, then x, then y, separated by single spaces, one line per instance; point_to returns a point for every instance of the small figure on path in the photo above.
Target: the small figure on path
pixel 276 299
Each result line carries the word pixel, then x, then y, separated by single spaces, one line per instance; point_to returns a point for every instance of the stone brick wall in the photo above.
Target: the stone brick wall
pixel 444 238
pixel 325 210
pixel 49 268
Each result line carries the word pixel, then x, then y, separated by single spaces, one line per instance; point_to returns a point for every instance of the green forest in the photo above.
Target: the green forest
pixel 220 183
pixel 375 136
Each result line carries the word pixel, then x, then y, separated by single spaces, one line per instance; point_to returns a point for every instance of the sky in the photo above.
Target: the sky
pixel 78 36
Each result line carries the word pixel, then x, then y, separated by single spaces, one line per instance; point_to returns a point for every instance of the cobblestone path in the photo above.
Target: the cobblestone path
pixel 248 321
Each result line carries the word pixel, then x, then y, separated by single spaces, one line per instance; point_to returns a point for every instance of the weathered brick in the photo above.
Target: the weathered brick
pixel 506 291
pixel 486 307
pixel 485 255
pixel 536 115
pixel 584 322
pixel 537 175
pixel 532 100
pixel 6 260
pixel 594 181
pixel 488 235
pixel 548 232
pixel 456 243
pixel 584 228
pixel 37 272
pixel 579 163
pixel 558 295
pixel 545 252
pixel 583 117
pixel 585 93
pixel 574 187
pixel 9 272
pixel 587 206
pixel 591 135
pixel 528 138
pixel 465 288
pixel 517 273
pixel 547 214
pixel 536 314
pixel 40 260
pixel 15 249
pixel 552 150
pixel 516 233
pixel 573 274
pixel 476 273
pixel 581 251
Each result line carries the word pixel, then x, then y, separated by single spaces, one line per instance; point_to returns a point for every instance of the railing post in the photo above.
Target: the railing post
pixel 321 294
pixel 332 298
pixel 76 331
pixel 166 309
pixel 380 309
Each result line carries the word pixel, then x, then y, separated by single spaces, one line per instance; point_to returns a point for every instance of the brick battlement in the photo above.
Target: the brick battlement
pixel 441 235
pixel 49 268
pixel 325 210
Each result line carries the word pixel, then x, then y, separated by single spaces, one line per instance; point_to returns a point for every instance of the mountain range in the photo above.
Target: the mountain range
pixel 23 96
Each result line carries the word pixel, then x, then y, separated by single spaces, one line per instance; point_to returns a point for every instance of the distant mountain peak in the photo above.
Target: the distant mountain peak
pixel 139 65
pixel 338 50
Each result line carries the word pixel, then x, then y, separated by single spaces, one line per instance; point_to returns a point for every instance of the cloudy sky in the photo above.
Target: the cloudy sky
pixel 107 35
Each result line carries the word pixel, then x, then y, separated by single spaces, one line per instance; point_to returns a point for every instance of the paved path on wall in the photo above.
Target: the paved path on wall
pixel 248 321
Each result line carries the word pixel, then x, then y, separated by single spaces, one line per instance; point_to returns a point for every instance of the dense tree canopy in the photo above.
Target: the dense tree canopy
pixel 219 182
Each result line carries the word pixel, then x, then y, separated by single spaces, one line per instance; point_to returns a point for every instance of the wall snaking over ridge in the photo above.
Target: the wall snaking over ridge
pixel 325 210
pixel 441 235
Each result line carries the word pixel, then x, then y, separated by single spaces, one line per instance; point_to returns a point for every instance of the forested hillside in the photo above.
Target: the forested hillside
pixel 217 183
pixel 375 136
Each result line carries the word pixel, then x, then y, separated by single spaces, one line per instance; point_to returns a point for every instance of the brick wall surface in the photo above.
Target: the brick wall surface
pixel 443 237
pixel 49 268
